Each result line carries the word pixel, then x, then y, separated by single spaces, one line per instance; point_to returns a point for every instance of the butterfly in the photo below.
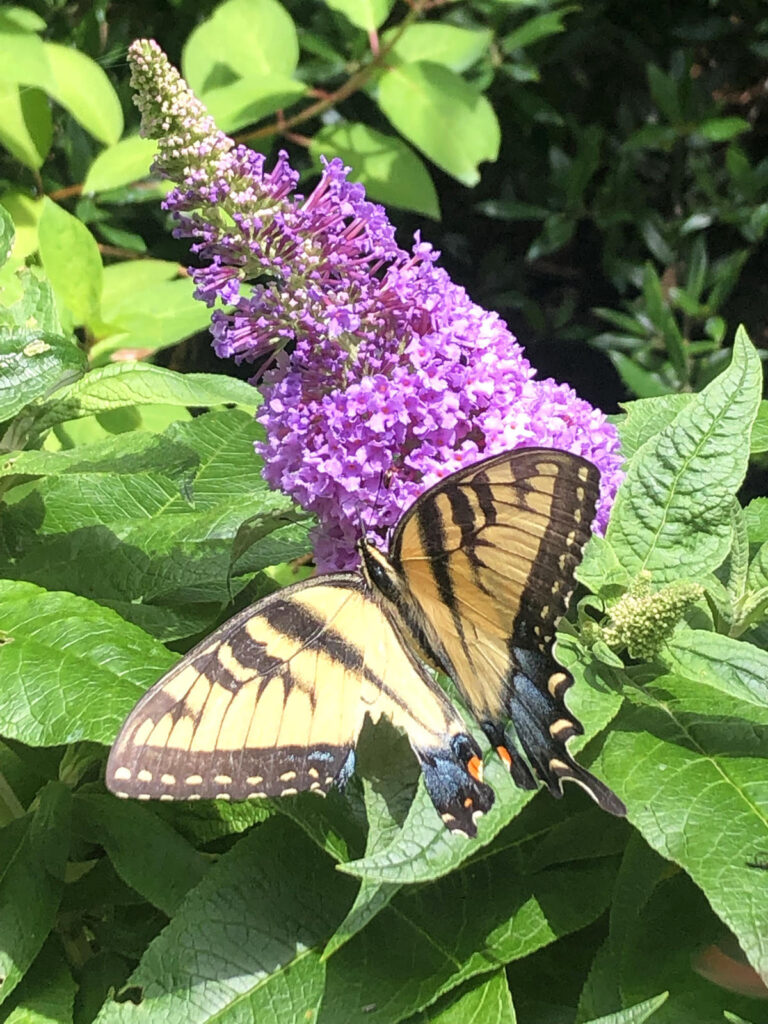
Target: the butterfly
pixel 478 572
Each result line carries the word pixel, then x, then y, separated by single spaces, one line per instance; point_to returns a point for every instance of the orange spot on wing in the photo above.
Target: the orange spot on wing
pixel 475 768
pixel 505 756
pixel 468 802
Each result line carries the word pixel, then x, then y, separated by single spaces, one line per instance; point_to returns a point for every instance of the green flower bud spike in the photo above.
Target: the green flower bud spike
pixel 642 620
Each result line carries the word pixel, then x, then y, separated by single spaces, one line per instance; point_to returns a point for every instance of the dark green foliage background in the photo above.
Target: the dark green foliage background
pixel 601 180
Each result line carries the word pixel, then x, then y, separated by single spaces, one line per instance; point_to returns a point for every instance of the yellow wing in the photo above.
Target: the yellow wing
pixel 486 559
pixel 273 702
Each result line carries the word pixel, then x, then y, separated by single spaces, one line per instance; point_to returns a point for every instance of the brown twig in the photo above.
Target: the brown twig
pixel 352 85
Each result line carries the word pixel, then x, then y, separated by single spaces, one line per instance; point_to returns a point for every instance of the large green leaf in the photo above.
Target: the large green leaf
pixel 82 86
pixel 367 15
pixel 33 854
pixel 163 867
pixel 168 313
pixel 251 98
pixel 391 172
pixel 443 116
pixel 684 759
pixel 646 418
pixel 661 931
pixel 72 262
pixel 485 1000
pixel 150 518
pixel 32 364
pixel 673 512
pixel 124 162
pixel 637 1014
pixel 441 43
pixel 731 666
pixel 26 127
pixel 46 993
pixel 245 943
pixel 71 669
pixel 437 937
pixel 249 37
pixel 127 454
pixel 123 385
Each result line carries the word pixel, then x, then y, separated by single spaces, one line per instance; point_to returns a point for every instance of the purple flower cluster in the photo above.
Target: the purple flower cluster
pixel 395 378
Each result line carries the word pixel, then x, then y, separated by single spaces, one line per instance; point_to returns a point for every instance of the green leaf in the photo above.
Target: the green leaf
pixel 128 454
pixel 124 281
pixel 731 666
pixel 7 233
pixel 71 261
pixel 486 1000
pixel 367 15
pixel 46 993
pixel 600 566
pixel 722 129
pixel 757 577
pixel 637 1014
pixel 141 522
pixel 26 127
pixel 665 93
pixel 433 945
pixel 756 517
pixel 250 99
pixel 81 86
pixel 33 854
pixel 25 59
pixel 34 363
pixel 119 386
pixel 25 211
pixel 673 512
pixel 647 418
pixel 440 43
pixel 244 945
pixel 443 116
pixel 72 670
pixel 647 949
pixel 102 974
pixel 388 794
pixel 688 756
pixel 163 867
pixel 391 172
pixel 120 164
pixel 759 440
pixel 540 26
pixel 424 850
pixel 253 38
pixel 30 304
pixel 167 313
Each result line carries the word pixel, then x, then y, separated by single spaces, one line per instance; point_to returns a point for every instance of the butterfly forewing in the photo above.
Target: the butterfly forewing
pixel 487 560
pixel 273 702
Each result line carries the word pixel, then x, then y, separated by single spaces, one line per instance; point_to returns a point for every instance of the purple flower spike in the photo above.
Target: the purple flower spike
pixel 395 377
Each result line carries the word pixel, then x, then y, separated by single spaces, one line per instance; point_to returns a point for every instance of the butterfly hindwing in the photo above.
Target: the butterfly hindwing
pixel 486 561
pixel 273 702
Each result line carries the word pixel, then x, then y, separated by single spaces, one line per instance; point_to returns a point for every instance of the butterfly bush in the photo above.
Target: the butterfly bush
pixel 382 375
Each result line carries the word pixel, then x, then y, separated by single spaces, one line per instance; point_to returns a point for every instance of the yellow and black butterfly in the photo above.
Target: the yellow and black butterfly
pixel 479 571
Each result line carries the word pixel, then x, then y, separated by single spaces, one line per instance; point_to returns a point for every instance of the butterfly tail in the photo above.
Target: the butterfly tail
pixel 453 777
pixel 544 725
pixel 511 757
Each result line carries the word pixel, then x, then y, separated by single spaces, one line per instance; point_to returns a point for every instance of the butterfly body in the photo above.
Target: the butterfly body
pixel 477 575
